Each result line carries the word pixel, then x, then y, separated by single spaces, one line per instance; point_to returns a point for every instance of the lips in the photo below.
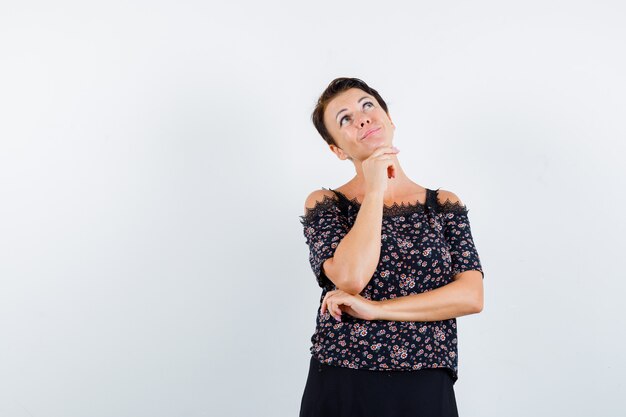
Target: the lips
pixel 376 129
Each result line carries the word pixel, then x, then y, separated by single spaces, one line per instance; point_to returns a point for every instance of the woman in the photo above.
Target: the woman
pixel 397 265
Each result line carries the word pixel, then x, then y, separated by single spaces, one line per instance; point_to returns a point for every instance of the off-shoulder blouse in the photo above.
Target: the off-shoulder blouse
pixel 423 246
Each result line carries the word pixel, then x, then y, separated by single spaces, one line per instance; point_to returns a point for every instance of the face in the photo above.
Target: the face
pixel 350 116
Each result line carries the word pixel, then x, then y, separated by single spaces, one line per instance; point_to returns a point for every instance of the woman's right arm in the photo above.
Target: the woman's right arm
pixel 357 255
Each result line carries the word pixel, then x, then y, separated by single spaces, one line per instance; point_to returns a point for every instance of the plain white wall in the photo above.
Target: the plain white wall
pixel 155 157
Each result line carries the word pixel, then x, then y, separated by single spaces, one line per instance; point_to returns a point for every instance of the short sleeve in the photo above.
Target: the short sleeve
pixel 459 236
pixel 324 226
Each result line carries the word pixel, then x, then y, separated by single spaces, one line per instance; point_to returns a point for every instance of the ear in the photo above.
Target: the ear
pixel 338 151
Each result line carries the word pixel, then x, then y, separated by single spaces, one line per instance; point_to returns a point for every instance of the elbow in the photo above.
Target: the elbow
pixel 477 304
pixel 357 280
pixel 340 276
pixel 350 281
pixel 475 297
pixel 347 277
pixel 351 284
pixel 468 307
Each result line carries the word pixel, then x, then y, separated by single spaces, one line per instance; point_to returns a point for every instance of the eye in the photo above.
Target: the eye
pixel 364 104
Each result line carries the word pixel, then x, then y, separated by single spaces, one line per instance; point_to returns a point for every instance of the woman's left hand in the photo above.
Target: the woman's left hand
pixel 338 301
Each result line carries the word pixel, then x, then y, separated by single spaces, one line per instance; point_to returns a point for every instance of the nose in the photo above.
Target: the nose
pixel 362 120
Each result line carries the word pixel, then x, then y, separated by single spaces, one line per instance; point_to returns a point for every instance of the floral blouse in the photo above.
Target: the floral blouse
pixel 423 245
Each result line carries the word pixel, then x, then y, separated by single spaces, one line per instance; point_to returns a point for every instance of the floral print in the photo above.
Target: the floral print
pixel 423 246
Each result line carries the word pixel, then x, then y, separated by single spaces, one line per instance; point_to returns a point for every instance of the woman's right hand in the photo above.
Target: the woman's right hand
pixel 378 168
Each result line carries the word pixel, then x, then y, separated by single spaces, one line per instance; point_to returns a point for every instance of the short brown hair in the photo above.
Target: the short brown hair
pixel 337 86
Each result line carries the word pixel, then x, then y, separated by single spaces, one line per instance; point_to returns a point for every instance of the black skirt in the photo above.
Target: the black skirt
pixel 334 391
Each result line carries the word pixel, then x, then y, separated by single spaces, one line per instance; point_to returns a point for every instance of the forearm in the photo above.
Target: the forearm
pixel 357 255
pixel 455 299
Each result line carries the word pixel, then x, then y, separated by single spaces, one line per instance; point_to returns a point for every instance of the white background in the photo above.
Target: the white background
pixel 155 157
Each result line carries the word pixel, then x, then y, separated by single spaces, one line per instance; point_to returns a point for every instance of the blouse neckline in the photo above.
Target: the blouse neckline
pixel 395 209
pixel 356 202
pixel 403 209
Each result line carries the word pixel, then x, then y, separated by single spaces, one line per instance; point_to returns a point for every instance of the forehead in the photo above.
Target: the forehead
pixel 350 96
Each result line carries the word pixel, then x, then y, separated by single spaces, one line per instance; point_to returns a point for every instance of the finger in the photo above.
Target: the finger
pixel 390 148
pixel 324 301
pixel 336 312
pixel 332 305
pixel 383 150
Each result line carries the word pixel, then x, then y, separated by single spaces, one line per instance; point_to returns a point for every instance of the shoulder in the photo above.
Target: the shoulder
pixel 445 195
pixel 316 197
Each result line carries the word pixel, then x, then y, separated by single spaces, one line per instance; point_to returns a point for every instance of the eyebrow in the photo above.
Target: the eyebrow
pixel 361 99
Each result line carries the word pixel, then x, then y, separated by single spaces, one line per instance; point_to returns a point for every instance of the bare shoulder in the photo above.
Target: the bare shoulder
pixel 316 197
pixel 445 195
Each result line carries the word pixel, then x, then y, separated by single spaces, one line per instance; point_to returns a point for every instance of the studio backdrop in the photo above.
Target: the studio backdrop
pixel 155 158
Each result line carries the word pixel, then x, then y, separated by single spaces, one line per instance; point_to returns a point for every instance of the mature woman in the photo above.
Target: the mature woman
pixel 396 263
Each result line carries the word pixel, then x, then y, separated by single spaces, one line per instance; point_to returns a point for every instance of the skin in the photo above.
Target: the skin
pixel 358 119
pixel 380 175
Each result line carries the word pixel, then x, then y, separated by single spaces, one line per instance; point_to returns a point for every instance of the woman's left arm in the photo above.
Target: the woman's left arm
pixel 461 297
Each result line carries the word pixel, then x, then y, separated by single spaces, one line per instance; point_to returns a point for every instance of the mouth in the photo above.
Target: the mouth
pixel 369 132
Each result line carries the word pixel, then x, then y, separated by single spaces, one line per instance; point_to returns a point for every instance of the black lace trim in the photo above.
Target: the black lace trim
pixel 394 210
pixel 454 207
pixel 449 206
pixel 403 208
pixel 327 202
